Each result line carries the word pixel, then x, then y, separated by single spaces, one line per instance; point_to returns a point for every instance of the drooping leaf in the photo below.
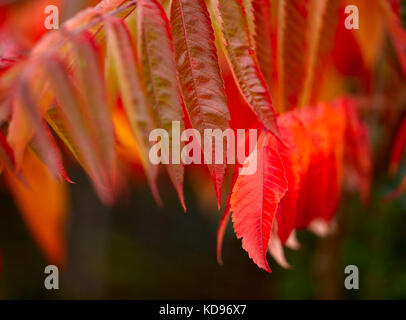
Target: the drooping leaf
pixel 370 35
pixel 321 34
pixel 335 122
pixel 20 133
pixel 396 32
pixel 55 120
pixel 43 203
pixel 265 40
pixel 255 199
pixel 293 25
pixel 132 92
pixel 89 74
pixel 70 110
pixel 290 127
pixel 243 62
pixel 199 73
pixel 249 9
pixel 34 145
pixel 241 115
pixel 326 126
pixel 43 139
pixel 313 196
pixel 237 169
pixel 160 72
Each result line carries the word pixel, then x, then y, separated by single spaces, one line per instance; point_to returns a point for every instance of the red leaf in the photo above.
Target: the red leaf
pixel 315 181
pixel 292 50
pixel 255 199
pixel 265 39
pixel 162 81
pixel 226 215
pixel 324 18
pixel 290 127
pixel 243 62
pixel 335 122
pixel 199 72
pixel 126 66
pixel 396 32
pixel 43 140
pixel 70 108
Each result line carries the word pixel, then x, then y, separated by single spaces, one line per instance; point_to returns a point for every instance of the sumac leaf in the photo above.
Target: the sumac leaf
pixel 127 71
pixel 199 73
pixel 89 73
pixel 255 199
pixel 289 152
pixel 243 62
pixel 43 203
pixel 162 84
pixel 43 139
pixel 265 39
pixel 292 53
pixel 70 109
pixel 324 16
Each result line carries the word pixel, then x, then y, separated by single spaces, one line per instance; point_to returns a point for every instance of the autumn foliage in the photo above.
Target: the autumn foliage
pixel 95 89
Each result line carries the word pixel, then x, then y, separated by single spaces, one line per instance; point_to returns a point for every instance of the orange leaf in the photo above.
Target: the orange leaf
pixel 43 203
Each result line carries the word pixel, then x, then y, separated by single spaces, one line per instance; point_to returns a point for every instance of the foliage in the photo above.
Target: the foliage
pixel 95 89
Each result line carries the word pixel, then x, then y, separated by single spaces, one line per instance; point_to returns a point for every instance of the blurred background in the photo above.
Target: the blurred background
pixel 138 250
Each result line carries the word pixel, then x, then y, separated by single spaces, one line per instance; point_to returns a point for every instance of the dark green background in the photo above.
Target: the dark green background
pixel 137 250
